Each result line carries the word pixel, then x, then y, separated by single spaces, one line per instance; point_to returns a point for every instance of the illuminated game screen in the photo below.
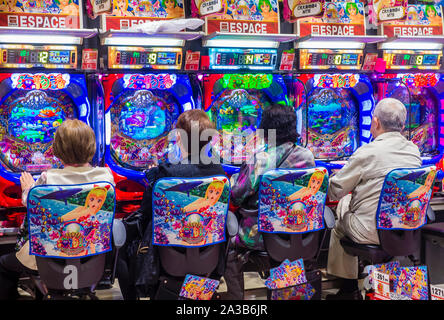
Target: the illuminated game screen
pixel 333 130
pixel 413 59
pixel 28 121
pixel 422 114
pixel 254 59
pixel 29 56
pixel 237 111
pixel 330 59
pixel 141 121
pixel 140 57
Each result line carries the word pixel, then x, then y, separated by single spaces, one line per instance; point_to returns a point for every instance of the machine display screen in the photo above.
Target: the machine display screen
pixel 140 57
pixel 29 56
pixel 330 59
pixel 254 59
pixel 411 59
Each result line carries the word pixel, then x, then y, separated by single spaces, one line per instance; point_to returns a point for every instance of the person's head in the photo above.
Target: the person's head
pixel 389 116
pixel 282 119
pixel 191 124
pixel 74 143
pixel 96 198
pixel 315 182
pixel 214 191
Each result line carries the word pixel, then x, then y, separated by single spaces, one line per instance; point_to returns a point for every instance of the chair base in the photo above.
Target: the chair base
pixel 371 253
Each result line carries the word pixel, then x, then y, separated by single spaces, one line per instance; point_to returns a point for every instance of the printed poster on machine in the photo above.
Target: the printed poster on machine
pixel 128 13
pixel 57 14
pixel 294 9
pixel 421 21
pixel 238 16
pixel 339 19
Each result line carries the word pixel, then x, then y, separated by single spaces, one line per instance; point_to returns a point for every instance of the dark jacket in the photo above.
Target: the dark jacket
pixel 173 170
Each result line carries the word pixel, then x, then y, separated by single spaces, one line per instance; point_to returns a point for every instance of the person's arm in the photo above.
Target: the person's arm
pixel 27 183
pixel 345 181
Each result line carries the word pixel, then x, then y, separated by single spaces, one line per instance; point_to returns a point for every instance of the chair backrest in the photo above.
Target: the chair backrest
pixel 190 213
pixel 68 225
pixel 291 211
pixel 402 209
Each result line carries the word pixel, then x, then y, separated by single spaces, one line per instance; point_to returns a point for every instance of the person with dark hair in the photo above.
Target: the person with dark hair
pixel 280 134
pixel 190 124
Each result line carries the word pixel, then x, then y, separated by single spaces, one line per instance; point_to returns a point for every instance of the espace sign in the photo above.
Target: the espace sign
pixel 241 26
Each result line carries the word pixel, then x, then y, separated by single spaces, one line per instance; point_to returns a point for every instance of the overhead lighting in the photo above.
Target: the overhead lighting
pixel 315 44
pixel 34 39
pixel 240 43
pixel 410 45
pixel 144 41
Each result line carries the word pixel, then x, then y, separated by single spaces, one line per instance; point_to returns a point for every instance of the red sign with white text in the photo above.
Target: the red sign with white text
pixel 241 26
pixel 89 59
pixel 32 20
pixel 331 29
pixel 287 61
pixel 192 60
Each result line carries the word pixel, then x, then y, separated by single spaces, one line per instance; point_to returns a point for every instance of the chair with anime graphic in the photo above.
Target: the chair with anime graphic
pixel 189 222
pixel 402 212
pixel 70 232
pixel 292 214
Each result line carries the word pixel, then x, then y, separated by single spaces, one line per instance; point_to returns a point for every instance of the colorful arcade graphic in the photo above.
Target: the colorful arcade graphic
pixel 421 94
pixel 234 102
pixel 190 212
pixel 31 109
pixel 70 221
pixel 410 283
pixel 141 109
pixel 239 16
pixel 339 114
pixel 405 197
pixel 292 200
pixel 198 288
pixel 58 14
pixel 126 14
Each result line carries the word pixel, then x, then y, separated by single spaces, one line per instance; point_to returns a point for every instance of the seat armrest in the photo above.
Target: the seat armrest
pixel 329 218
pixel 232 224
pixel 430 214
pixel 119 233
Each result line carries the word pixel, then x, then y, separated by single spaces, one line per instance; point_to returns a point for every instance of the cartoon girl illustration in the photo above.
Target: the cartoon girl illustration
pixel 242 11
pixel 229 8
pixel 93 203
pixel 331 13
pixel 353 13
pixel 412 16
pixel 193 230
pixel 422 191
pixel 266 9
pixel 68 7
pixel 432 15
pixel 402 281
pixel 9 6
pixel 418 284
pixel 120 8
pixel 306 196
pixel 172 9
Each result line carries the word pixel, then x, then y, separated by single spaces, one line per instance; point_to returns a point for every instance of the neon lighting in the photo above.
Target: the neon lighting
pixel 419 79
pixel 149 81
pixel 247 81
pixel 40 81
pixel 336 80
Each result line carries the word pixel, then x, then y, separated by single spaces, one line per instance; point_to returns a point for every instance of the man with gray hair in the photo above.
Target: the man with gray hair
pixel 358 186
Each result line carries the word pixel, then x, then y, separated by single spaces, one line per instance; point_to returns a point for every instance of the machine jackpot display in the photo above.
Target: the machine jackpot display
pixel 144 96
pixel 413 76
pixel 234 101
pixel 339 105
pixel 39 89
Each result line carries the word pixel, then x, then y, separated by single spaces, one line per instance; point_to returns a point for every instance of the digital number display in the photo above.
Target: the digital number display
pixel 258 59
pixel 411 59
pixel 27 56
pixel 330 59
pixel 138 58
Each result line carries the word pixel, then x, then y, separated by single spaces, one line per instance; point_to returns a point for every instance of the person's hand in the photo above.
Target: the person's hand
pixel 26 181
pixel 153 164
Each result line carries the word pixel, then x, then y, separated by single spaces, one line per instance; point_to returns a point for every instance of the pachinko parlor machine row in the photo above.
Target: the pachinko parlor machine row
pixel 144 94
pixel 41 85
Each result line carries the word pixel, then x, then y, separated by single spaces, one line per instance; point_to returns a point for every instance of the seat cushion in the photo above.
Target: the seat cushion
pixel 368 252
pixel 436 229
